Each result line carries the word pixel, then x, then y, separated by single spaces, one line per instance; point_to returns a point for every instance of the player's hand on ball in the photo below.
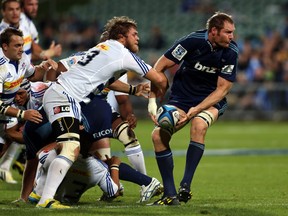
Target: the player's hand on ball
pixel 183 118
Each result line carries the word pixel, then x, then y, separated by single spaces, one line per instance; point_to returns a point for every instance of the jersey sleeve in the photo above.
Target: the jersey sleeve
pixel 3 74
pixel 34 32
pixel 30 69
pixel 132 62
pixel 180 49
pixel 229 67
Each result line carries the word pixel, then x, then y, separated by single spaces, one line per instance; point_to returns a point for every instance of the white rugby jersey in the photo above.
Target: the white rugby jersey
pixel 98 68
pixel 12 74
pixel 29 32
pixel 25 21
pixel 36 95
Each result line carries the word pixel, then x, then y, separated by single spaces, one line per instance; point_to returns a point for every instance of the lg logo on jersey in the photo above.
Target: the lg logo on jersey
pixel 61 109
pixel 200 67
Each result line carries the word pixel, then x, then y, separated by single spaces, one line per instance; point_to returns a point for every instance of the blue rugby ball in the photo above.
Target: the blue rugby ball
pixel 167 117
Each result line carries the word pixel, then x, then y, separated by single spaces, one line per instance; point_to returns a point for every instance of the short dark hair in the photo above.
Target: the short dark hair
pixel 119 26
pixel 5 36
pixel 217 20
pixel 4 2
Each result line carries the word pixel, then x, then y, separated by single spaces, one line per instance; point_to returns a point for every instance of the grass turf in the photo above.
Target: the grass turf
pixel 234 185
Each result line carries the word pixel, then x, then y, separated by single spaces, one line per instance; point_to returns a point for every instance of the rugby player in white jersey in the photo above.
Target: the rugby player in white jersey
pixel 65 100
pixel 12 17
pixel 29 12
pixel 15 66
pixel 123 119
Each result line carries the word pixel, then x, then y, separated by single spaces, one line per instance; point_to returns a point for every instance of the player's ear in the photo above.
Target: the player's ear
pixel 214 31
pixel 4 46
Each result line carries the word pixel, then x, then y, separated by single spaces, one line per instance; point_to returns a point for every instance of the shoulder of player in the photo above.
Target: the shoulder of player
pixel 196 35
pixel 197 38
pixel 25 59
pixel 25 19
pixel 3 26
pixel 233 47
pixel 3 59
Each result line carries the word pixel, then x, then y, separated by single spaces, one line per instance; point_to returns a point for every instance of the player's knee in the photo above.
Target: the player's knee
pixel 125 135
pixel 70 145
pixel 160 135
pixel 198 129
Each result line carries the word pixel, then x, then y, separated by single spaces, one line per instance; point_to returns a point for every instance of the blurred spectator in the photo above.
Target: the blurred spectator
pixel 73 33
pixel 205 6
pixel 285 29
pixel 156 39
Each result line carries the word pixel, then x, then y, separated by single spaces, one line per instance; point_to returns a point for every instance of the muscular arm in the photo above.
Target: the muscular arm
pixel 39 54
pixel 126 110
pixel 41 69
pixel 161 65
pixel 223 88
pixel 52 74
pixel 125 106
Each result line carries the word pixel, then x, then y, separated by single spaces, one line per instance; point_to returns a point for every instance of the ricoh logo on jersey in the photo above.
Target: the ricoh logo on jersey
pixel 201 67
pixel 102 133
pixel 61 109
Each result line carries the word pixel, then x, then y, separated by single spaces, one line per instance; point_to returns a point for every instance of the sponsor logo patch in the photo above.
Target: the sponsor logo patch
pixel 179 52
pixel 200 67
pixel 227 69
pixel 102 133
pixel 71 61
pixel 61 109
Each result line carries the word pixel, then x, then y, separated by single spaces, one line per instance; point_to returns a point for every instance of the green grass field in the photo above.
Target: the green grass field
pixel 243 172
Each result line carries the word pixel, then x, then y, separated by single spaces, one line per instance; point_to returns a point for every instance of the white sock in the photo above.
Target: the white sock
pixel 9 156
pixel 136 158
pixel 55 176
pixel 43 170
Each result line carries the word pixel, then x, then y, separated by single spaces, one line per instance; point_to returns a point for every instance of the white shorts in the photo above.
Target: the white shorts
pixel 58 103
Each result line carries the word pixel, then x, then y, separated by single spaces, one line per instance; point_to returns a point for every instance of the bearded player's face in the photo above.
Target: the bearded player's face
pixel 132 40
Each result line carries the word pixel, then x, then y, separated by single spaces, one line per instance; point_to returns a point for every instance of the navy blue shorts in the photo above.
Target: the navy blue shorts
pixel 97 118
pixel 186 105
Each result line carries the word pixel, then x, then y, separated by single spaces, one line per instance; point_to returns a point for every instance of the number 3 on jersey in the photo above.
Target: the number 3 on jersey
pixel 88 57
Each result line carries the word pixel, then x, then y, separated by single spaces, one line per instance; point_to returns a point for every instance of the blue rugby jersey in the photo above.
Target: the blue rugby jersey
pixel 200 66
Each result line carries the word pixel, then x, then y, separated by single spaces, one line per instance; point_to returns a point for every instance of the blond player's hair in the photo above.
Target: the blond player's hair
pixel 119 26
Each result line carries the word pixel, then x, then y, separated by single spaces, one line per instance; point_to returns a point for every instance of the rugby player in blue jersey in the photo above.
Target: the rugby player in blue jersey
pixel 207 70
